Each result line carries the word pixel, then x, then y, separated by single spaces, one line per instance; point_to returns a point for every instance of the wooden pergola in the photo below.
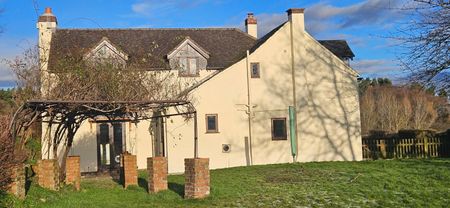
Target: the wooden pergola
pixel 68 115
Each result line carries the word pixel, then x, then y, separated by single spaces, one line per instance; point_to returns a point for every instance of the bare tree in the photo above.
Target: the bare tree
pixel 424 110
pixel 391 108
pixel 427 40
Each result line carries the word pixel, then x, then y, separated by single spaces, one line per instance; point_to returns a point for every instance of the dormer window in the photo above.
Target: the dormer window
pixel 188 58
pixel 106 52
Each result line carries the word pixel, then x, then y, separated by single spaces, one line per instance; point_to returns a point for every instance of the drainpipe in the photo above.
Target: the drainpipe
pixel 195 136
pixel 249 109
pixel 294 96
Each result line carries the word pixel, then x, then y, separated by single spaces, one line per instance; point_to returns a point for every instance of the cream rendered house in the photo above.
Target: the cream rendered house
pixel 243 87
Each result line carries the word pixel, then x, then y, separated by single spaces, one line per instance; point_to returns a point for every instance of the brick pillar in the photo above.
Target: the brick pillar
pixel 73 174
pixel 197 179
pixel 48 176
pixel 129 170
pixel 157 174
pixel 18 180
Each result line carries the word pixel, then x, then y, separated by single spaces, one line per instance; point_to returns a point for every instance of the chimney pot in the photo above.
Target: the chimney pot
pixel 48 10
pixel 250 19
pixel 48 16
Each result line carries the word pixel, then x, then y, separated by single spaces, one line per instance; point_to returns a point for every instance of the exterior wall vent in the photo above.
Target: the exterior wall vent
pixel 226 148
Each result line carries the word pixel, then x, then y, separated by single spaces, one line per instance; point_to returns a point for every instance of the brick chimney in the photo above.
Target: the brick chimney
pixel 296 17
pixel 251 26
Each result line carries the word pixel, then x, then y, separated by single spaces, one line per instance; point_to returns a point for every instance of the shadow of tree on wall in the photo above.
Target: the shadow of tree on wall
pixel 327 106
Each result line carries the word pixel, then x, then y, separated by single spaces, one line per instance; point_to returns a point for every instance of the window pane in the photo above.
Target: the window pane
pixel 183 64
pixel 193 66
pixel 211 123
pixel 279 128
pixel 255 70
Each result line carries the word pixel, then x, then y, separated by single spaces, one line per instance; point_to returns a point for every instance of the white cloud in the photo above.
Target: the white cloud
pixel 267 22
pixel 324 16
pixel 7 78
pixel 9 49
pixel 375 66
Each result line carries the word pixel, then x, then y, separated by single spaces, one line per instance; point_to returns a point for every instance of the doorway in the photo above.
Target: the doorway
pixel 110 145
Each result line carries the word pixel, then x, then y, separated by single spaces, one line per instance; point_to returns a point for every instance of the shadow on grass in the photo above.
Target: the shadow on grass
pixel 177 188
pixel 143 183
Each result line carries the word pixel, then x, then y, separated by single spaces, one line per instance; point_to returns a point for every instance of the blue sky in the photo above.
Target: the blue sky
pixel 364 23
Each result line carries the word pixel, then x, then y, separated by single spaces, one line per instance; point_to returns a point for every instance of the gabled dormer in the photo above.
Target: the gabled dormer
pixel 106 51
pixel 188 58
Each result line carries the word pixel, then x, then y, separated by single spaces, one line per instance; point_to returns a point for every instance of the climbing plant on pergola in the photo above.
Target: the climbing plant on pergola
pixel 74 90
pixel 67 117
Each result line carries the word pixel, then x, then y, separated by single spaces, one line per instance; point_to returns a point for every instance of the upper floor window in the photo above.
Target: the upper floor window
pixel 255 72
pixel 188 67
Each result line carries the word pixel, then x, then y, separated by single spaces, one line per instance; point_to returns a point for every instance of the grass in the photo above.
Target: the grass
pixel 388 183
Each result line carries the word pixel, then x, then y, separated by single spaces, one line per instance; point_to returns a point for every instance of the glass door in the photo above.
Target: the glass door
pixel 110 145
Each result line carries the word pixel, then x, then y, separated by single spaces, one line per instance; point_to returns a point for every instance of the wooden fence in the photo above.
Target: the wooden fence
pixel 406 144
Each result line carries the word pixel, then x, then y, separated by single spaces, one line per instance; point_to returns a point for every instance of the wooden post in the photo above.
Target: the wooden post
pixel 383 148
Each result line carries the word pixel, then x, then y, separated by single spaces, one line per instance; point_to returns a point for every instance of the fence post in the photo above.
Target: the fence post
pixel 383 148
pixel 425 146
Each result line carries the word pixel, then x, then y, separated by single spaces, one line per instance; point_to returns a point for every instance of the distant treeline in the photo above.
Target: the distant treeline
pixel 391 108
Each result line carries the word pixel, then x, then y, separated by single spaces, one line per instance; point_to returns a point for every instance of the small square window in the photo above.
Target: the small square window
pixel 279 129
pixel 212 123
pixel 255 72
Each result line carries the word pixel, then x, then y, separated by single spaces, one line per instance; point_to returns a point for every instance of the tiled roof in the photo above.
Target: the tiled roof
pixel 149 47
pixel 340 48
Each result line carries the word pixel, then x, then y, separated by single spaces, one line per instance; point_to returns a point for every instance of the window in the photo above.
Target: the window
pixel 279 129
pixel 255 73
pixel 188 67
pixel 211 123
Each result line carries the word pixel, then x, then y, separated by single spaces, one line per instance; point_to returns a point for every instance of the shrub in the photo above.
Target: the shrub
pixel 6 152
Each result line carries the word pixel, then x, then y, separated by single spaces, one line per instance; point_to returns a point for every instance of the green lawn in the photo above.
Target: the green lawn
pixel 388 183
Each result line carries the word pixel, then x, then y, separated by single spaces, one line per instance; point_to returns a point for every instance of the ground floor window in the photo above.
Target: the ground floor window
pixel 279 129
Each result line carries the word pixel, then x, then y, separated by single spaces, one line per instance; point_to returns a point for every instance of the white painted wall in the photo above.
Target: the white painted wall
pixel 327 110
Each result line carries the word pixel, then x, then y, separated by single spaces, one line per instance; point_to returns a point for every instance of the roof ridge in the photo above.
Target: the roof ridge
pixel 201 28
